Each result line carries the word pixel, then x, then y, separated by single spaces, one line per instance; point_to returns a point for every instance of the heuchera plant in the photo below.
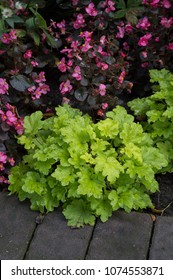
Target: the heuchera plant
pixel 90 169
pixel 155 113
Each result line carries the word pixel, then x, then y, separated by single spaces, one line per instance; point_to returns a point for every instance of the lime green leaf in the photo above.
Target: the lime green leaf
pixel 108 128
pixel 108 166
pixel 114 199
pixel 34 183
pixel 90 184
pixel 65 175
pixel 78 213
pixel 33 123
pixel 132 151
pixel 102 208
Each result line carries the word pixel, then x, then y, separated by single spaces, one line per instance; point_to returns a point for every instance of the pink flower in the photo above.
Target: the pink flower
pixel 61 65
pixel 166 4
pixel 28 54
pixel 110 7
pixel 5 38
pixel 61 25
pixel 121 77
pixel 143 23
pixel 102 65
pixel 170 46
pixel 121 32
pixel 85 47
pixel 91 10
pixel 103 40
pixel 3 180
pixel 87 35
pixel 80 22
pixel 41 77
pixel 104 106
pixel 144 54
pixel 3 86
pixel 77 73
pixel 154 3
pixel 11 161
pixel 144 64
pixel 143 41
pixel 13 35
pixel 19 126
pixel 11 117
pixel 74 45
pixel 2 166
pixel 3 157
pixel 167 22
pixel 34 63
pixel 102 89
pixel 65 87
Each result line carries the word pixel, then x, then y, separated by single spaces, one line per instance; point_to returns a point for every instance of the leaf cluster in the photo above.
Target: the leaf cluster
pixel 90 169
pixel 156 114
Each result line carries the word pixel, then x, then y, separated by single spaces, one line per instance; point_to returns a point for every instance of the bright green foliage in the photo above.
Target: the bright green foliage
pixel 157 114
pixel 90 169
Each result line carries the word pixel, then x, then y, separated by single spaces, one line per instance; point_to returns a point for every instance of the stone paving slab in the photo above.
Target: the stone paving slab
pixel 53 239
pixel 17 224
pixel 162 241
pixel 122 237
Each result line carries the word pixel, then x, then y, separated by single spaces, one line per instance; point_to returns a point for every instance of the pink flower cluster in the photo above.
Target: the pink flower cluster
pixel 144 40
pixel 91 10
pixel 40 88
pixel 3 86
pixel 143 23
pixel 156 3
pixel 4 159
pixel 12 119
pixel 7 38
pixel 4 162
pixel 167 22
pixel 109 6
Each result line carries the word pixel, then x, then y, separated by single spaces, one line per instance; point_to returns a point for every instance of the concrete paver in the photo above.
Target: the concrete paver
pixel 123 237
pixel 162 241
pixel 17 224
pixel 53 239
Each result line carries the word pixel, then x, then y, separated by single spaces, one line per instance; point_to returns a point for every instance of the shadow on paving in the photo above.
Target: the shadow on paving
pixel 124 236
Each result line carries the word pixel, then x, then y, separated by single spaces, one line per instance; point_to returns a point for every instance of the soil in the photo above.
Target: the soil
pixel 163 200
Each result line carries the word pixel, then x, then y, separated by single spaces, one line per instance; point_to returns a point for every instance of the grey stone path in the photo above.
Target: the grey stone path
pixel 131 236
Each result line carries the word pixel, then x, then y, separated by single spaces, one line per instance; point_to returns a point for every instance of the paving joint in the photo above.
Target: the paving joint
pixel 151 240
pixel 90 240
pixel 29 242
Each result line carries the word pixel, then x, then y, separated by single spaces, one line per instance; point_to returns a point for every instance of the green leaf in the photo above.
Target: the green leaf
pixel 20 82
pixel 33 123
pixel 34 183
pixel 114 199
pixel 102 208
pixel 132 151
pixel 108 128
pixel 65 175
pixel 30 23
pixel 120 4
pixel 14 19
pixel 120 14
pixel 36 37
pixel 78 213
pixel 90 184
pixel 39 20
pixel 108 165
